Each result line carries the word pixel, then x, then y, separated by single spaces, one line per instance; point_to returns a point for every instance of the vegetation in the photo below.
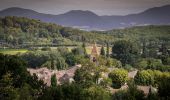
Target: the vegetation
pixel 15 82
pixel 102 51
pixel 119 77
pixel 125 51
pixel 13 51
pixel 145 49
pixel 132 93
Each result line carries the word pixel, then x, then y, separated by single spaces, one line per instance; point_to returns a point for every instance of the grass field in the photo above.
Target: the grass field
pixel 13 51
pixel 16 51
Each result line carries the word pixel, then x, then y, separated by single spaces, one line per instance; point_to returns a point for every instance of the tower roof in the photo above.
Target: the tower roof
pixel 94 50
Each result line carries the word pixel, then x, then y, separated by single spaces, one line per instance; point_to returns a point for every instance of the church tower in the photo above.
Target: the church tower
pixel 94 53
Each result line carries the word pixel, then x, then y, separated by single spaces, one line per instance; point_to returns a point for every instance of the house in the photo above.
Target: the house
pixel 62 76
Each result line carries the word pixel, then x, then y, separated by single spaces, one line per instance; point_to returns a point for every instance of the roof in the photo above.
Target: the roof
pixel 94 50
pixel 62 75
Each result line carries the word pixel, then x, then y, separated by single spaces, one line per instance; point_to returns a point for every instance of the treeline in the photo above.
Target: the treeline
pixel 132 55
pixel 20 30
pixel 17 84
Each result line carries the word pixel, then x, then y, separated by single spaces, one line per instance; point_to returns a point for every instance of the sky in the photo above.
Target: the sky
pixel 100 7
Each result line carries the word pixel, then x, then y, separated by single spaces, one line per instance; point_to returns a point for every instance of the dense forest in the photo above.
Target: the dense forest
pixel 15 30
pixel 19 31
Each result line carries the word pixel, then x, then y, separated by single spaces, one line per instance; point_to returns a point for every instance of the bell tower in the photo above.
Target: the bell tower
pixel 94 53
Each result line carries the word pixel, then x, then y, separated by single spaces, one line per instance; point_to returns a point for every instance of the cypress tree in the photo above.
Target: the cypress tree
pixel 53 80
pixel 102 52
pixel 107 50
pixel 84 48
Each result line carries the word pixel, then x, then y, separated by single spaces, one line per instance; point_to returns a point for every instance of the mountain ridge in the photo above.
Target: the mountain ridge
pixel 88 20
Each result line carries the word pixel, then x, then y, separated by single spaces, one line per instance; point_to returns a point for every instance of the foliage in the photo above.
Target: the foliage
pixel 15 82
pixel 132 93
pixel 125 51
pixel 149 77
pixel 164 87
pixel 107 50
pixel 7 90
pixel 96 93
pixel 144 78
pixel 119 77
pixel 53 81
pixel 50 59
pixel 89 74
pixel 113 63
pixel 20 30
pixel 102 51
pixel 148 63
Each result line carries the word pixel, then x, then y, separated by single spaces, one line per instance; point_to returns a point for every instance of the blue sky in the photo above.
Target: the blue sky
pixel 100 7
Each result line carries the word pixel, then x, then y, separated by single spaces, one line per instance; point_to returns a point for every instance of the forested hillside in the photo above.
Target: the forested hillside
pixel 20 30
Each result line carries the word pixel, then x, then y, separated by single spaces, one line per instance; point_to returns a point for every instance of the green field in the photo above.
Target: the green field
pixel 13 51
pixel 16 51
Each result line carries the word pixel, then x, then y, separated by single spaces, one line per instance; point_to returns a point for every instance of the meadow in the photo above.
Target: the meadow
pixel 13 51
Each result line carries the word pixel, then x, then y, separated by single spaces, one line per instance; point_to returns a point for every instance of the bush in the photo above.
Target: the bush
pixel 46 49
pixel 113 63
pixel 119 77
pixel 132 93
pixel 144 78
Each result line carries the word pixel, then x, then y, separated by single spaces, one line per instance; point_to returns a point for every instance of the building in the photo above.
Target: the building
pixel 94 53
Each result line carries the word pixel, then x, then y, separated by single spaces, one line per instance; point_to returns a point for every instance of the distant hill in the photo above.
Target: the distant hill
pixel 25 31
pixel 90 21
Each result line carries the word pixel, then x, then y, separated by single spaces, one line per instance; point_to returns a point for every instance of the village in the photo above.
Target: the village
pixel 67 76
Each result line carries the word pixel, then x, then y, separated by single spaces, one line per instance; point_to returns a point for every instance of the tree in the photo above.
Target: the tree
pixel 7 90
pixel 141 64
pixel 132 93
pixel 84 76
pixel 89 74
pixel 113 63
pixel 144 49
pixel 119 77
pixel 78 51
pixel 53 80
pixel 144 77
pixel 125 51
pixel 164 87
pixel 107 50
pixel 96 93
pixel 16 66
pixel 26 92
pixel 152 96
pixel 102 52
pixel 15 82
pixel 84 48
pixel 70 59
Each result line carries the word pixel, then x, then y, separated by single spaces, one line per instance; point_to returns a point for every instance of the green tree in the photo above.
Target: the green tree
pixel 96 93
pixel 78 51
pixel 7 90
pixel 125 51
pixel 113 63
pixel 119 77
pixel 25 92
pixel 107 50
pixel 132 93
pixel 102 52
pixel 144 49
pixel 144 78
pixel 84 48
pixel 53 81
pixel 164 87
